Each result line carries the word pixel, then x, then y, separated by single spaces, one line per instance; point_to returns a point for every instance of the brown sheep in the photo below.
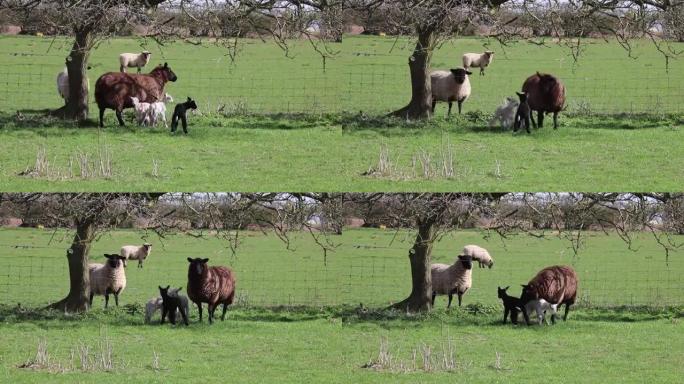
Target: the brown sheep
pixel 557 285
pixel 545 94
pixel 114 89
pixel 212 285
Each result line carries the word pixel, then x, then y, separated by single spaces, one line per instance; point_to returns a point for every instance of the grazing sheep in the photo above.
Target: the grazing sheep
pixel 179 113
pixel 114 90
pixel 131 60
pixel 505 113
pixel 522 115
pixel 450 86
pixel 135 252
pixel 108 278
pixel 478 60
pixel 545 94
pixel 142 111
pixel 512 305
pixel 211 285
pixel 450 279
pixel 172 303
pixel 63 84
pixel 557 285
pixel 157 111
pixel 479 254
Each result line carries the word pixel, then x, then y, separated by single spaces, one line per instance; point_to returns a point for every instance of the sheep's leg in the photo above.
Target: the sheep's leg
pixel 199 308
pixel 102 117
pixel 540 313
pixel 450 297
pixel 526 315
pixel 433 298
pixel 434 104
pixel 555 120
pixel 567 308
pixel 506 315
pixel 223 315
pixel 481 71
pixel 514 316
pixel 460 102
pixel 184 315
pixel 90 304
pixel 460 296
pixel 119 117
pixel 139 263
pixel 163 317
pixel 540 119
pixel 449 114
pixel 106 299
pixel 185 124
pixel 210 310
pixel 527 123
pixel 172 316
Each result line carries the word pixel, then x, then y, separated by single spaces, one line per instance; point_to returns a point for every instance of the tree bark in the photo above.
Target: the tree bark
pixel 79 277
pixel 420 299
pixel 420 106
pixel 76 107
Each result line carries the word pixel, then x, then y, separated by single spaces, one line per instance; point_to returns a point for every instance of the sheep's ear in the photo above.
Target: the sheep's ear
pixel 205 260
pixel 179 288
pixel 160 287
pixel 167 287
pixel 468 72
pixel 189 99
pixel 508 286
pixel 166 65
pixel 189 260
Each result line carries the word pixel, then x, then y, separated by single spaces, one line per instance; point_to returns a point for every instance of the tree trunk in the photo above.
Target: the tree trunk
pixel 420 299
pixel 76 107
pixel 420 106
pixel 79 277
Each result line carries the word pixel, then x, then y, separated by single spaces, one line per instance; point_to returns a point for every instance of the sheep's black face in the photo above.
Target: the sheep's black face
pixel 114 260
pixel 522 96
pixel 197 265
pixel 169 73
pixel 501 292
pixel 191 104
pixel 459 75
pixel 467 261
pixel 527 294
pixel 164 292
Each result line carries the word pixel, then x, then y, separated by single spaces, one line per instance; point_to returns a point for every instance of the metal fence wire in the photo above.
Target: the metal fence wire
pixel 351 275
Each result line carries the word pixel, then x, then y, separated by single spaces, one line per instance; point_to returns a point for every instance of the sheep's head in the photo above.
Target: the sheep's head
pixel 546 82
pixel 197 266
pixel 147 246
pixel 190 104
pixel 489 53
pixel 135 100
pixel 528 293
pixel 165 72
pixel 114 260
pixel 164 292
pixel 467 261
pixel 501 292
pixel 146 55
pixel 168 98
pixel 522 96
pixel 460 74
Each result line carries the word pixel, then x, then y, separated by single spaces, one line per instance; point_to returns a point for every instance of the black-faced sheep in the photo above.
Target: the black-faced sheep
pixel 545 94
pixel 108 278
pixel 179 112
pixel 452 279
pixel 450 86
pixel 172 303
pixel 130 60
pixel 211 285
pixel 478 60
pixel 512 305
pixel 557 285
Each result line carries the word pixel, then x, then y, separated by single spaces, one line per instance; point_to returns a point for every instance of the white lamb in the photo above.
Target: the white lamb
pixel 109 278
pixel 63 84
pixel 478 60
pixel 449 279
pixel 135 252
pixel 155 304
pixel 540 307
pixel 157 111
pixel 478 253
pixel 505 113
pixel 450 86
pixel 138 60
pixel 142 111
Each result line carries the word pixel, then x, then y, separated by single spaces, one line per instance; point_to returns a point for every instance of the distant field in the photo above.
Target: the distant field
pixel 368 74
pixel 369 266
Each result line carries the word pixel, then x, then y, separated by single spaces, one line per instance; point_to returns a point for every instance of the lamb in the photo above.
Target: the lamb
pixel 138 60
pixel 450 279
pixel 556 284
pixel 450 86
pixel 135 252
pixel 511 304
pixel 545 94
pixel 540 307
pixel 142 111
pixel 478 253
pixel 179 113
pixel 505 113
pixel 172 303
pixel 157 111
pixel 211 285
pixel 155 304
pixel 522 115
pixel 478 60
pixel 108 278
pixel 63 84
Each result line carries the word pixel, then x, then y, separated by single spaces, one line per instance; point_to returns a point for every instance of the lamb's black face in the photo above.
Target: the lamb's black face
pixel 164 292
pixel 501 292
pixel 522 96
pixel 197 265
pixel 527 294
pixel 467 261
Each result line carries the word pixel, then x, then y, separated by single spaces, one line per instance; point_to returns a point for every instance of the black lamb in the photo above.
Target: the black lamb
pixel 512 305
pixel 171 303
pixel 179 113
pixel 522 115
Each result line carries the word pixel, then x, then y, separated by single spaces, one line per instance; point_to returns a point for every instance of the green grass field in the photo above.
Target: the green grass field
pixel 246 147
pixel 266 338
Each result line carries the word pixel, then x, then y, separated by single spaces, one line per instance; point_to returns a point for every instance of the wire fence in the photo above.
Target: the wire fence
pixel 355 82
pixel 352 275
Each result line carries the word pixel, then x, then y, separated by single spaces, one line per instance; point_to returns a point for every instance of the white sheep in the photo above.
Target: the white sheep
pixel 505 113
pixel 138 60
pixel 450 86
pixel 541 306
pixel 108 278
pixel 449 279
pixel 63 84
pixel 478 253
pixel 157 111
pixel 478 60
pixel 142 111
pixel 135 252
pixel 155 304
